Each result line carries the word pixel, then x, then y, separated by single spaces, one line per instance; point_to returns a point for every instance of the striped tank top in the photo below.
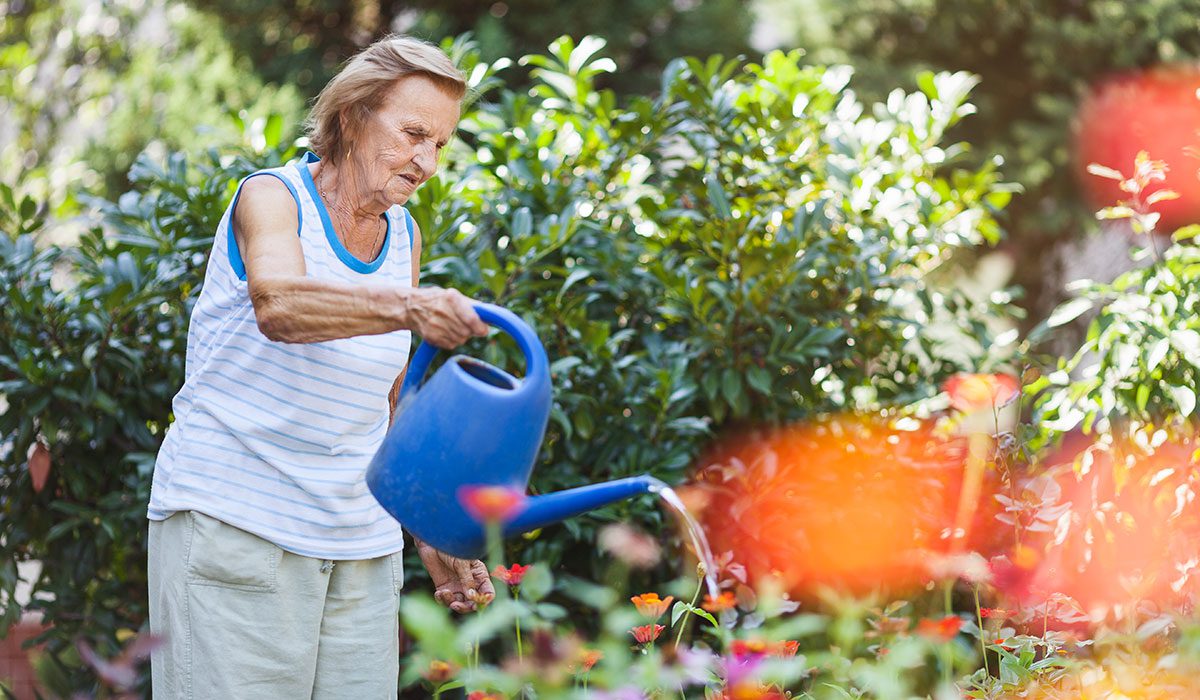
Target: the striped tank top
pixel 275 438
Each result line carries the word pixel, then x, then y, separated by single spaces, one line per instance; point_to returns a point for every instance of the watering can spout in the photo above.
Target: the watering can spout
pixel 546 509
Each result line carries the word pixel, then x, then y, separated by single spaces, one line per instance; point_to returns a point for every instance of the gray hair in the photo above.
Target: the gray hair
pixel 362 84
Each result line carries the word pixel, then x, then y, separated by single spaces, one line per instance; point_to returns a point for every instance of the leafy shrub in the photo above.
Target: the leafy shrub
pixel 751 245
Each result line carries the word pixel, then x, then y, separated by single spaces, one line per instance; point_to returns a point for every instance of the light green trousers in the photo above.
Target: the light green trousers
pixel 244 619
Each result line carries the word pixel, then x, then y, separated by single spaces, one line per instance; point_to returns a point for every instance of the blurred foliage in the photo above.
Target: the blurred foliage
pixel 1035 58
pixel 1138 369
pixel 302 42
pixel 753 243
pixel 86 86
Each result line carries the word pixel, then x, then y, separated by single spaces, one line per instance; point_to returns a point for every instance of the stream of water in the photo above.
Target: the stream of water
pixel 699 541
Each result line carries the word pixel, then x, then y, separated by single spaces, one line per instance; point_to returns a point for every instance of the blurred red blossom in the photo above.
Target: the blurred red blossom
pixel 511 575
pixel 942 630
pixel 491 504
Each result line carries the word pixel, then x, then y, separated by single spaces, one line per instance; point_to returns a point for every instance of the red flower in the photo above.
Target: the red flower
pixel 491 504
pixel 647 633
pixel 973 392
pixel 725 601
pixel 942 630
pixel 513 575
pixel 480 695
pixel 994 612
pixel 650 605
pixel 747 647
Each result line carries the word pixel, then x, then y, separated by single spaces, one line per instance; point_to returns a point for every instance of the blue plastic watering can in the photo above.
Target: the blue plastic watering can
pixel 475 424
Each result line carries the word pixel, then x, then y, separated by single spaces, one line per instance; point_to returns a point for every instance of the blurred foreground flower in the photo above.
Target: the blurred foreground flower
pixel 975 392
pixel 942 630
pixel 120 673
pixel 512 575
pixel 635 548
pixel 855 504
pixel 480 695
pixel 491 504
pixel 650 605
pixel 725 601
pixel 439 671
pixel 647 633
pixel 587 658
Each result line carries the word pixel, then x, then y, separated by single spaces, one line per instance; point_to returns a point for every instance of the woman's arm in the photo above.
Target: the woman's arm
pixel 293 308
pixel 394 394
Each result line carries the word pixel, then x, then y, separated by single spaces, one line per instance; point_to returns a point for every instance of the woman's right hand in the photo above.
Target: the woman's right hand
pixel 445 318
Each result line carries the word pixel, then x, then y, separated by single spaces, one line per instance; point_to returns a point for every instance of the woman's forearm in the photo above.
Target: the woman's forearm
pixel 308 310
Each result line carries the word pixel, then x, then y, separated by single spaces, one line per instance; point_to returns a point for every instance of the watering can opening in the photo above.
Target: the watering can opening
pixel 492 376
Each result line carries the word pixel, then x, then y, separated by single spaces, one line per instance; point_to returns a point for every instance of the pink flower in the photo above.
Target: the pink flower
pixel 973 392
pixel 629 545
pixel 491 504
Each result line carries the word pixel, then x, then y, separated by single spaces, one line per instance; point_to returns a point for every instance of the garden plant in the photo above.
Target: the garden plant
pixel 739 284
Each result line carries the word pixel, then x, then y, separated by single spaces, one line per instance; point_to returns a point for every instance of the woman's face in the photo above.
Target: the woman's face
pixel 401 141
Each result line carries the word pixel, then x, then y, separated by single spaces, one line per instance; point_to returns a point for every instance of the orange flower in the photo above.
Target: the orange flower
pixel 588 658
pixel 439 671
pixel 973 392
pixel 491 504
pixel 480 695
pixel 647 633
pixel 752 690
pixel 724 601
pixel 785 648
pixel 942 630
pixel 513 575
pixel 650 605
pixel 1024 557
pixel 994 612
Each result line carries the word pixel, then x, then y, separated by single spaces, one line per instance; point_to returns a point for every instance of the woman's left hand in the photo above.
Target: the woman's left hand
pixel 463 585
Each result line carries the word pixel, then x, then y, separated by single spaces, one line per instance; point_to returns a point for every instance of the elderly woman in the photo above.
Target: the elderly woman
pixel 273 572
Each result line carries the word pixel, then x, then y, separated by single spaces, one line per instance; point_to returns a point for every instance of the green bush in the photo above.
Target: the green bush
pixel 752 245
pixel 1035 59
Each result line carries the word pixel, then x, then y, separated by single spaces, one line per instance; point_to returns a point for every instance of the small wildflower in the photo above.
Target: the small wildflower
pixel 725 601
pixel 647 633
pixel 587 659
pixel 439 671
pixel 511 575
pixel 479 598
pixel 650 605
pixel 942 630
pixel 491 504
pixel 973 392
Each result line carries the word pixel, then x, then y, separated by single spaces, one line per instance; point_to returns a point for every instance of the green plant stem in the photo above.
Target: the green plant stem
pixel 979 621
pixel 687 616
pixel 517 622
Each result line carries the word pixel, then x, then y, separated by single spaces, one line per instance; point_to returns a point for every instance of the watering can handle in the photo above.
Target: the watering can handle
pixel 536 363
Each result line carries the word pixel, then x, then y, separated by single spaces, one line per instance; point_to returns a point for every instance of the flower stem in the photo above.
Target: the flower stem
pixel 517 621
pixel 947 590
pixel 683 624
pixel 979 620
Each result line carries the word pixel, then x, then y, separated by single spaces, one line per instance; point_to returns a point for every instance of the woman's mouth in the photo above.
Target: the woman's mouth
pixel 411 179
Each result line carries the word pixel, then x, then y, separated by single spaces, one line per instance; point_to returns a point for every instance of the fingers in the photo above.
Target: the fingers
pixel 447 318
